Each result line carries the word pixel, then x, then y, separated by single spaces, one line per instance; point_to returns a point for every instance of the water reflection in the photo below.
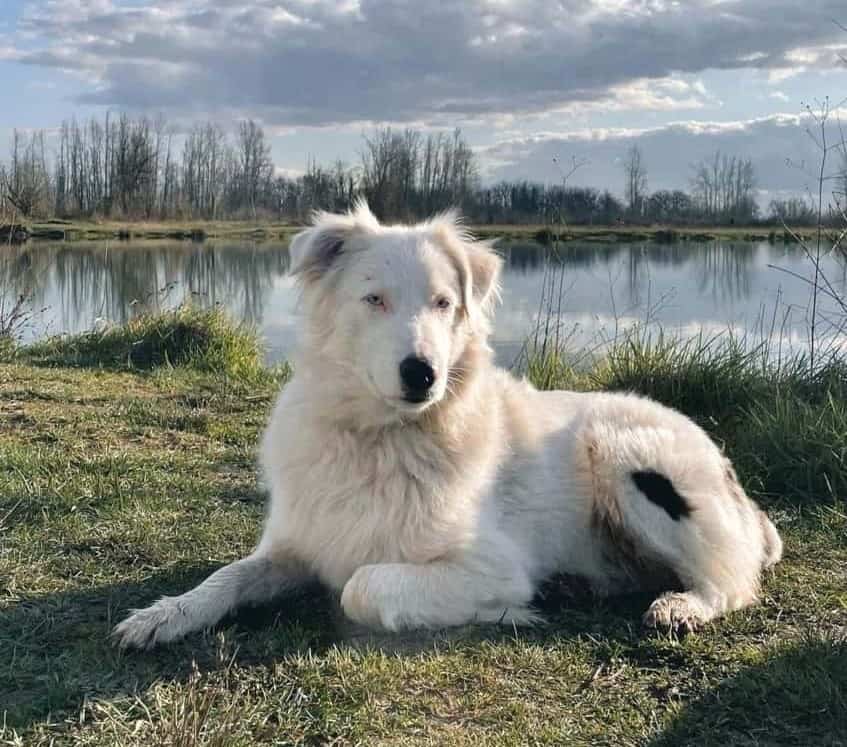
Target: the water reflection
pixel 722 269
pixel 684 286
pixel 82 283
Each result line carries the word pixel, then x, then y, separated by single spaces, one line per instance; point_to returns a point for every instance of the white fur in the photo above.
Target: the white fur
pixel 454 510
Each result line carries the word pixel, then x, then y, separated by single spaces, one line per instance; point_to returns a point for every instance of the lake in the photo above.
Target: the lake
pixel 685 288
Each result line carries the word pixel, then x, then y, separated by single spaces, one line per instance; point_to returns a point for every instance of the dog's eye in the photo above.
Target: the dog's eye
pixel 373 299
pixel 443 303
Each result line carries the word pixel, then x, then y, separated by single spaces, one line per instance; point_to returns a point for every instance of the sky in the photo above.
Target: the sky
pixel 532 84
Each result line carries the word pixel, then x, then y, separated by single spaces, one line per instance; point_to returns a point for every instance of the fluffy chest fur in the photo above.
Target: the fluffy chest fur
pixel 401 493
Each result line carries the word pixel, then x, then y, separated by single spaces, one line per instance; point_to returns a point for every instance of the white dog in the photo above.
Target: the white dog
pixel 431 489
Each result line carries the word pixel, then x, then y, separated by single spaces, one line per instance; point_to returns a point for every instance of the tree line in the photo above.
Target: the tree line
pixel 121 167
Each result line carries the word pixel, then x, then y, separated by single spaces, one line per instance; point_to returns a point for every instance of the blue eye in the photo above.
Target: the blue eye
pixel 443 303
pixel 374 299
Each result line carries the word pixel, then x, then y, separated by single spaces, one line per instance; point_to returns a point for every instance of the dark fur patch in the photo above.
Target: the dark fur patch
pixel 659 490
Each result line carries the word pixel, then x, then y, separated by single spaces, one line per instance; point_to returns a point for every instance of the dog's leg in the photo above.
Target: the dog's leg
pixel 487 583
pixel 256 578
pixel 399 596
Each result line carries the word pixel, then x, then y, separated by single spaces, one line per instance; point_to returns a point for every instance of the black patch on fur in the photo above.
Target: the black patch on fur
pixel 659 490
pixel 327 250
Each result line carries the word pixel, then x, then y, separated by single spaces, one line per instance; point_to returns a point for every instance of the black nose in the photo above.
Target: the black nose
pixel 417 377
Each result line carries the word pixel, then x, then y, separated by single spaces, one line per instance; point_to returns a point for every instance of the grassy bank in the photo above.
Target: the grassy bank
pixel 73 230
pixel 58 230
pixel 656 233
pixel 123 477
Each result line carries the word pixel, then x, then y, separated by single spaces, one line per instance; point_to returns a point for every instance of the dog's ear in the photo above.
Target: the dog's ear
pixel 313 251
pixel 477 263
pixel 485 267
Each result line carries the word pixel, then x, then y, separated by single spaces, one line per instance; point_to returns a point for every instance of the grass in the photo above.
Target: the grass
pixel 122 482
pixel 199 230
pixel 634 232
pixel 203 339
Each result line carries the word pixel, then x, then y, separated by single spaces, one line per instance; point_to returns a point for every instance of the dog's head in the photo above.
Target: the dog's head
pixel 398 309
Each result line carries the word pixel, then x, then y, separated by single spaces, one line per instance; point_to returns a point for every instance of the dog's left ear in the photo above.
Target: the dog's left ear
pixel 478 265
pixel 485 267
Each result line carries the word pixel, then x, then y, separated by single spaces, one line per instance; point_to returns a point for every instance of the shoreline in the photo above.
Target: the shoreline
pixel 81 231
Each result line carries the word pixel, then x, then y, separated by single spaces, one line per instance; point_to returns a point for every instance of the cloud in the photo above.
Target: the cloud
pixel 784 155
pixel 9 53
pixel 325 62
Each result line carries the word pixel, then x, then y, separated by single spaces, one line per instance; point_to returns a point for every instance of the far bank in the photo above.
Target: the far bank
pixel 78 230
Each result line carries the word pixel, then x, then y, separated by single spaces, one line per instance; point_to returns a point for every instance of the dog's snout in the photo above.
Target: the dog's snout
pixel 417 376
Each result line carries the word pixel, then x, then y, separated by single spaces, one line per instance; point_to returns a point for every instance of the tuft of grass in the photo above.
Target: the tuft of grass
pixel 203 339
pixel 8 347
pixel 15 316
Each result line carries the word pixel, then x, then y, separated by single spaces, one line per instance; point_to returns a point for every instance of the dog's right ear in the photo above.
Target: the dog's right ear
pixel 313 251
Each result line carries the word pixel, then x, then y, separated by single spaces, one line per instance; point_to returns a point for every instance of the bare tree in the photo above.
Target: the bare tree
pixel 724 188
pixel 26 183
pixel 380 152
pixel 121 166
pixel 840 191
pixel 255 167
pixel 635 180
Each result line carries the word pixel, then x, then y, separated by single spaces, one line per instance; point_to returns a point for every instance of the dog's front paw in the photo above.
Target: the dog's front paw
pixel 162 622
pixel 369 598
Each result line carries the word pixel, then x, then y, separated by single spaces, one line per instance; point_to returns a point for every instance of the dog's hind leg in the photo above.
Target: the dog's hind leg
pixel 254 579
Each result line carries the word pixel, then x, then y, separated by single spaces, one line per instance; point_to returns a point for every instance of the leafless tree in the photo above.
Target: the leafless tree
pixel 724 188
pixel 635 180
pixel 255 167
pixel 26 182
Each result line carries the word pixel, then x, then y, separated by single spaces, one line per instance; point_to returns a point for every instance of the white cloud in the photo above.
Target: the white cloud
pixel 646 95
pixel 321 62
pixel 783 154
pixel 288 173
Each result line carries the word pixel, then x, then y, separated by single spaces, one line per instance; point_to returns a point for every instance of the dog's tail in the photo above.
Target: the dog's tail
pixel 773 542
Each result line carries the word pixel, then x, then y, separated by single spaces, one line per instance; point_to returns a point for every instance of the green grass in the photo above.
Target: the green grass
pixel 198 230
pixel 203 339
pixel 118 484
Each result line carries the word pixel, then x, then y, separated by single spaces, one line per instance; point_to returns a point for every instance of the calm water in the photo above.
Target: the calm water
pixel 684 288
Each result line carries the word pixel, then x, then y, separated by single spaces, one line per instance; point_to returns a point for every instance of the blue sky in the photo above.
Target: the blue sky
pixel 526 80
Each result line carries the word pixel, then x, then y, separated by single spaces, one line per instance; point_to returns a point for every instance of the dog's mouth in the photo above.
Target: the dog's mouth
pixel 407 404
pixel 412 405
pixel 417 398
